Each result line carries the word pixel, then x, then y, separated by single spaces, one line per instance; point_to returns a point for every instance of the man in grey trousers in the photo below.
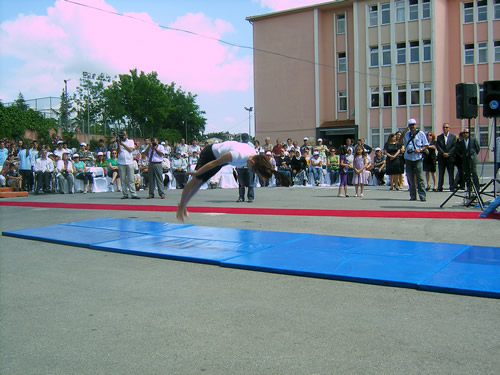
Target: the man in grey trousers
pixel 126 165
pixel 154 153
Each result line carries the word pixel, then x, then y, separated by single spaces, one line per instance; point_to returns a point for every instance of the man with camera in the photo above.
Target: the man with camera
pixel 415 142
pixel 154 152
pixel 126 165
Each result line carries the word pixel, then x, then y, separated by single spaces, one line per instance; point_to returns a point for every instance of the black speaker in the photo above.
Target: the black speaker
pixel 491 102
pixel 466 100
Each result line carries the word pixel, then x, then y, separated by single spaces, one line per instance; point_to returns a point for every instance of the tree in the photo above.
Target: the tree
pixel 147 106
pixel 15 120
pixel 21 103
pixel 65 111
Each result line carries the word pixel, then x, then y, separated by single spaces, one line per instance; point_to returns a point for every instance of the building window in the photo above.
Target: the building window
pixel 400 10
pixel 480 88
pixel 414 55
pixel 468 12
pixel 469 54
pixel 342 101
pixel 415 94
pixel 375 138
pixel 373 56
pixel 483 136
pixel 386 54
pixel 373 15
pixel 342 62
pixel 497 51
pixel 387 96
pixel 426 9
pixel 413 10
pixel 375 97
pixel 386 13
pixel 341 24
pixel 427 93
pixel 427 50
pixel 401 53
pixel 402 95
pixel 482 56
pixel 482 7
pixel 497 9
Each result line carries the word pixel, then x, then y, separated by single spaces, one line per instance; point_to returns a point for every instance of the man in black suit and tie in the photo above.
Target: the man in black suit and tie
pixel 469 148
pixel 446 144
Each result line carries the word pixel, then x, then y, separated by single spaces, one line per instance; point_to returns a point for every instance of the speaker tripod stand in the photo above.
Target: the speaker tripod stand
pixel 494 180
pixel 472 193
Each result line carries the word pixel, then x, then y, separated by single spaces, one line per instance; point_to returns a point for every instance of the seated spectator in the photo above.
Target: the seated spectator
pixel 143 164
pixel 112 169
pixel 101 161
pixel 167 174
pixel 85 155
pixel 59 151
pixel 193 160
pixel 14 179
pixel 283 163
pixel 379 166
pixel 316 167
pixel 66 172
pixel 179 169
pixel 43 171
pixel 82 173
pixel 298 165
pixel 333 164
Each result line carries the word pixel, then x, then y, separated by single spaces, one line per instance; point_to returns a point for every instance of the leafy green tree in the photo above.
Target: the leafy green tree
pixel 15 120
pixel 65 111
pixel 147 106
pixel 21 103
pixel 171 134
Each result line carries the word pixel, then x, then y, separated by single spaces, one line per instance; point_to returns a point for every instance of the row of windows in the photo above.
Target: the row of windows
pixel 417 51
pixel 481 11
pixel 405 95
pixel 381 13
pixel 481 52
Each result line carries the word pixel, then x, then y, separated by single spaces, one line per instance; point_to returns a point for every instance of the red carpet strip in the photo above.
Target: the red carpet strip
pixel 262 211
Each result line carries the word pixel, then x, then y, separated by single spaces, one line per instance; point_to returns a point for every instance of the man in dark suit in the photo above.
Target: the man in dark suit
pixel 446 146
pixel 469 148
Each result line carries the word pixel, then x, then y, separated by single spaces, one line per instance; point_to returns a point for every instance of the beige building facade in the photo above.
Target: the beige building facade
pixel 362 68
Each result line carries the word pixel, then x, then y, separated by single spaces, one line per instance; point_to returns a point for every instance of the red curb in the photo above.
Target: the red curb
pixel 262 211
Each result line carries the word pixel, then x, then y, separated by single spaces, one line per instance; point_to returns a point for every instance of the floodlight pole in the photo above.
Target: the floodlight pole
pixel 249 109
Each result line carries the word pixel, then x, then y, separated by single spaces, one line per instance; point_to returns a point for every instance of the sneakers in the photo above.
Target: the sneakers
pixel 135 197
pixel 240 200
pixel 356 195
pixel 250 201
pixel 361 195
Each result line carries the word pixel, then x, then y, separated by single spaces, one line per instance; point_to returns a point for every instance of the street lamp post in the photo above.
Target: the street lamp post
pixel 249 109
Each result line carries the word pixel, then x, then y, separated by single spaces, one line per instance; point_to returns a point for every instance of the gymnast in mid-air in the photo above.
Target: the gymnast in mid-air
pixel 214 157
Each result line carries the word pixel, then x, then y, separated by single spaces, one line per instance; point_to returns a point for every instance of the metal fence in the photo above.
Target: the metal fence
pixel 48 106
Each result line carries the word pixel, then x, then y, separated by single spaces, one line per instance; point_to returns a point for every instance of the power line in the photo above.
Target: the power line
pixel 334 67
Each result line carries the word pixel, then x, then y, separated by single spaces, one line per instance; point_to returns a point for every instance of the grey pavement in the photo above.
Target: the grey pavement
pixel 70 310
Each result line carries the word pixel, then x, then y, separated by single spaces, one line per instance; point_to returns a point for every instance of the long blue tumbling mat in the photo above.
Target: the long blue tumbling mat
pixel 432 266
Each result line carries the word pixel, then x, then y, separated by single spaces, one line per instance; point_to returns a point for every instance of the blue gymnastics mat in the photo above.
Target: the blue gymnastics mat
pixel 432 266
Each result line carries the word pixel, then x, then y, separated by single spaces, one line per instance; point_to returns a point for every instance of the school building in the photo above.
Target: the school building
pixel 361 68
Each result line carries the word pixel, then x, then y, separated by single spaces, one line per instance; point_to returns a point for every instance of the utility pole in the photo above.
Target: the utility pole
pixel 249 109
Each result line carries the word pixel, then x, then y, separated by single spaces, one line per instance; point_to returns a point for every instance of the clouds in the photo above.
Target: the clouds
pixel 277 5
pixel 70 39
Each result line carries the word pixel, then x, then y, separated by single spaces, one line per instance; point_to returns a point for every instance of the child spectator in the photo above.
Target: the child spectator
pixel 360 165
pixel 14 180
pixel 344 168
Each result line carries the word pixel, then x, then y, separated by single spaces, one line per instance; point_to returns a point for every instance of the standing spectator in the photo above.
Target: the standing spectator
pixel 401 157
pixel 182 147
pixel 25 169
pixel 267 145
pixel 4 154
pixel 101 148
pixel 66 172
pixel 126 165
pixel 179 169
pixel 33 152
pixel 350 159
pixel 194 147
pixel 305 146
pixel 469 149
pixel 344 168
pixel 289 145
pixel 277 148
pixel 415 141
pixel 20 146
pixel 258 148
pixel 322 150
pixel 349 146
pixel 166 147
pixel 446 151
pixel 43 170
pixel 379 166
pixel 143 147
pixel 366 148
pixel 59 151
pixel 360 165
pixel 246 177
pixel 430 162
pixel 316 167
pixel 155 153
pixel 82 173
pixel 333 164
pixel 113 170
pixel 392 150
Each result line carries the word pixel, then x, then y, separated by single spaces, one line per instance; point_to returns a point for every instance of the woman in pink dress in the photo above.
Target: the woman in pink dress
pixel 361 164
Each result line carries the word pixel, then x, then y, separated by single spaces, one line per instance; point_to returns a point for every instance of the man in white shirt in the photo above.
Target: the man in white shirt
pixel 65 171
pixel 194 147
pixel 43 170
pixel 126 165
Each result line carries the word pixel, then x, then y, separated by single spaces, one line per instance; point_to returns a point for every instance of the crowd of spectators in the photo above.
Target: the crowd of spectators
pixel 40 169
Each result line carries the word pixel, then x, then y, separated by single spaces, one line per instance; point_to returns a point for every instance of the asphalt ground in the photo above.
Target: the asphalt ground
pixel 70 310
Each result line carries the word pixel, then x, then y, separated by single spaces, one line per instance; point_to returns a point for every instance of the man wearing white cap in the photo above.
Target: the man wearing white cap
pixel 415 142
